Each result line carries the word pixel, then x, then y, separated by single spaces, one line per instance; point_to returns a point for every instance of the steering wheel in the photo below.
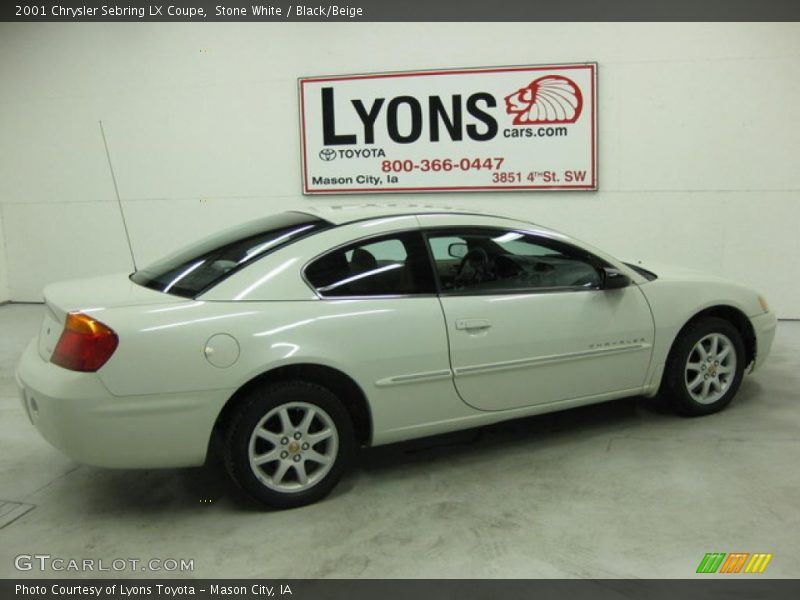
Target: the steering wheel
pixel 478 260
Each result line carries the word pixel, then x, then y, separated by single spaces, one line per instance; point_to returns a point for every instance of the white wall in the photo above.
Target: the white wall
pixel 3 264
pixel 699 136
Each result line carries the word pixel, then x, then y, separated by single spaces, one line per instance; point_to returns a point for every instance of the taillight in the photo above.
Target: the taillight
pixel 85 345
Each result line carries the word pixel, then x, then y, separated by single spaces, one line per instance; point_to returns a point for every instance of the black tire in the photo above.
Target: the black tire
pixel 676 377
pixel 295 399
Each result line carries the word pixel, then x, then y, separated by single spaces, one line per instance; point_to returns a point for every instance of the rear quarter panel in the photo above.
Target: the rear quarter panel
pixel 394 349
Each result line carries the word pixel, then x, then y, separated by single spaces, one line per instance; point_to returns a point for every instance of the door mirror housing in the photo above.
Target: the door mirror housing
pixel 457 250
pixel 614 279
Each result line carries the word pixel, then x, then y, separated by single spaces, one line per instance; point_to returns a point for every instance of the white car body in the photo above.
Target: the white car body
pixel 424 365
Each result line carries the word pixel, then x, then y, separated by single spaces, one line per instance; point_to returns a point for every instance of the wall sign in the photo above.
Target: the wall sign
pixel 500 128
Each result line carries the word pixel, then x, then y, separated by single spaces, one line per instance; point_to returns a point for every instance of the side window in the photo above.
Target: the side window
pixel 496 260
pixel 386 266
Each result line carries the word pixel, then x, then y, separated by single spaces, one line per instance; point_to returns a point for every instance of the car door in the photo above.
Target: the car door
pixel 529 323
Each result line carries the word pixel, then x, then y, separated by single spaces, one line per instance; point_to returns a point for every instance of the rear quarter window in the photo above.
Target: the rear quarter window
pixel 395 264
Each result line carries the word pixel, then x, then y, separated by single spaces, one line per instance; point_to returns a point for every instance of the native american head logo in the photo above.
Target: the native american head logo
pixel 549 99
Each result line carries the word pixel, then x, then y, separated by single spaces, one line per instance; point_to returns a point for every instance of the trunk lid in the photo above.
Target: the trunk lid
pixel 51 329
pixel 91 296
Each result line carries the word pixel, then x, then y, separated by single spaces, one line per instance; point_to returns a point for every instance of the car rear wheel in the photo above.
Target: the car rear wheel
pixel 705 367
pixel 289 444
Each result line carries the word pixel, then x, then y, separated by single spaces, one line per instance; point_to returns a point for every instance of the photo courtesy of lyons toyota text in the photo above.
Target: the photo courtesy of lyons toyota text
pixel 425 308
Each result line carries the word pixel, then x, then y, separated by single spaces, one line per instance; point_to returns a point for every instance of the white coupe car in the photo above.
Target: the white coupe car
pixel 301 335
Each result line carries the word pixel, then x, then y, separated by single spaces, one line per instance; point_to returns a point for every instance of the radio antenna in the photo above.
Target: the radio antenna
pixel 116 191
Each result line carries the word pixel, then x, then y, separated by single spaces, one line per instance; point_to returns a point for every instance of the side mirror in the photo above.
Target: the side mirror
pixel 458 250
pixel 614 279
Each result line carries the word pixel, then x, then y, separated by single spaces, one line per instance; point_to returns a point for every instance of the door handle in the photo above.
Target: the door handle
pixel 472 324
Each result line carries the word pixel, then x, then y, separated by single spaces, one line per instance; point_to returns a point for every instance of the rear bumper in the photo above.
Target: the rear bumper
pixel 764 327
pixel 77 414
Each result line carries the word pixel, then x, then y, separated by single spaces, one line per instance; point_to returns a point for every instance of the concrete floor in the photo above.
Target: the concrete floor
pixel 622 489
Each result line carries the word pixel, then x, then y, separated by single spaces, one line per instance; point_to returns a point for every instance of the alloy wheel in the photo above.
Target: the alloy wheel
pixel 293 447
pixel 710 368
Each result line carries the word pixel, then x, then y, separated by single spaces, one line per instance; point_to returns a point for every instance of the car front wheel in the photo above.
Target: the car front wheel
pixel 705 367
pixel 289 444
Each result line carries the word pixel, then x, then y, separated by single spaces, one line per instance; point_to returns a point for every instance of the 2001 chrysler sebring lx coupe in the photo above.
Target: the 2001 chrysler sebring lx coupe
pixel 301 335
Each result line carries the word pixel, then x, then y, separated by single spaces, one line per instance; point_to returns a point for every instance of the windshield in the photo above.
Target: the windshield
pixel 204 264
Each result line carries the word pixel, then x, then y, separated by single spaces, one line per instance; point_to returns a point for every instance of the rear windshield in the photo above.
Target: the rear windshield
pixel 195 269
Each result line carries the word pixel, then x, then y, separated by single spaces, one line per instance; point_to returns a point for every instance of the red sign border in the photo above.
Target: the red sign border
pixel 592 66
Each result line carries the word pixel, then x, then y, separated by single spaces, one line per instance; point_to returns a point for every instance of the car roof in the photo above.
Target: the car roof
pixel 341 214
